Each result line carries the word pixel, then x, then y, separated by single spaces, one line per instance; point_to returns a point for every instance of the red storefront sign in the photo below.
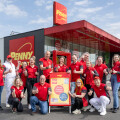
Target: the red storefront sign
pixel 21 49
pixel 59 14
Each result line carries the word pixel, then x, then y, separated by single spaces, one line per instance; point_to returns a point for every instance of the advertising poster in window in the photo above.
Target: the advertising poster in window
pixel 60 85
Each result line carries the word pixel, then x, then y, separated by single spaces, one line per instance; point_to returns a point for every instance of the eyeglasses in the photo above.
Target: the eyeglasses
pixel 42 79
pixel 78 82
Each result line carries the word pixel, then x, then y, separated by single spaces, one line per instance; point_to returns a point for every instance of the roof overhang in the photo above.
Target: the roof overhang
pixel 84 33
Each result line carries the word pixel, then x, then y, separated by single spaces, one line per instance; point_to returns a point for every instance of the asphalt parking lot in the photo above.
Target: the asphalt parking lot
pixel 57 113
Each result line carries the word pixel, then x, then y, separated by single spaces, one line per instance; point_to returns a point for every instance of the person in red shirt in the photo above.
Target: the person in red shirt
pixel 22 75
pixel 102 69
pixel 16 95
pixel 40 90
pixel 80 95
pixel 83 59
pixel 103 97
pixel 46 66
pixel 76 69
pixel 89 75
pixel 1 82
pixel 31 72
pixel 115 81
pixel 61 67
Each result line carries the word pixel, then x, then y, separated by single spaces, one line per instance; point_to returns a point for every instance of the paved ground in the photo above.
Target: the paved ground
pixel 57 113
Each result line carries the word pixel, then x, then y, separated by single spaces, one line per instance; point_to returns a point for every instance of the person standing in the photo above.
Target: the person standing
pixel 61 67
pixel 1 82
pixel 31 72
pixel 46 66
pixel 101 69
pixel 76 68
pixel 115 82
pixel 103 98
pixel 41 90
pixel 10 73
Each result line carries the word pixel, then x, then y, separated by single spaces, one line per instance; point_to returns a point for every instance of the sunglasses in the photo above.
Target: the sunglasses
pixel 78 82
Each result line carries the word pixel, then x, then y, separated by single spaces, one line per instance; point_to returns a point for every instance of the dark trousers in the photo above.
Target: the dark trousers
pixel 78 103
pixel 88 89
pixel 29 84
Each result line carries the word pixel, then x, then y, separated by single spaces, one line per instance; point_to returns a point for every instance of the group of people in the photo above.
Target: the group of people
pixel 85 81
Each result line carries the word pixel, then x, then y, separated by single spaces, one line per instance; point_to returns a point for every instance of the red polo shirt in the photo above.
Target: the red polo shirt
pixel 83 90
pixel 62 68
pixel 75 66
pixel 46 63
pixel 42 91
pixel 99 69
pixel 84 64
pixel 101 90
pixel 18 91
pixel 1 77
pixel 89 76
pixel 31 71
pixel 22 76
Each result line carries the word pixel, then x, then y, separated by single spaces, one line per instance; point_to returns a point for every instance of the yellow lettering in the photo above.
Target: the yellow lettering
pixel 30 54
pixel 61 14
pixel 13 54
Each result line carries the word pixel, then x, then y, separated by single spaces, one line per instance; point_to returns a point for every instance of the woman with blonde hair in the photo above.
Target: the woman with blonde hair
pixel 115 81
pixel 80 95
pixel 16 95
pixel 31 72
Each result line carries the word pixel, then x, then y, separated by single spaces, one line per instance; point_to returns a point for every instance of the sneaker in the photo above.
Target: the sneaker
pixel 79 111
pixel 14 110
pixel 115 110
pixel 32 113
pixel 88 107
pixel 1 108
pixel 7 105
pixel 29 106
pixel 85 109
pixel 75 111
pixel 92 109
pixel 103 113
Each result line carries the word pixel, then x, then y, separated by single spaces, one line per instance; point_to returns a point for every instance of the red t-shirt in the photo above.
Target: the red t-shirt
pixel 31 71
pixel 17 91
pixel 75 66
pixel 23 77
pixel 85 98
pixel 116 67
pixel 1 77
pixel 89 79
pixel 46 63
pixel 84 64
pixel 42 91
pixel 62 68
pixel 99 69
pixel 101 90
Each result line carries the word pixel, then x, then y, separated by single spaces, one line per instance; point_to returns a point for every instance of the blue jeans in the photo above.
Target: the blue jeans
pixel 72 91
pixel 42 104
pixel 115 86
pixel 1 88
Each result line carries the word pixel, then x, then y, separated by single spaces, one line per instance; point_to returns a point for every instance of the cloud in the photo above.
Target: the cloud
pixel 42 2
pixel 83 3
pixel 41 20
pixel 9 8
pixel 92 10
pixel 48 7
pixel 110 3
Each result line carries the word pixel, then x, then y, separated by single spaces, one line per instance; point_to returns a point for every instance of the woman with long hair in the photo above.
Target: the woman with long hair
pixel 31 72
pixel 1 82
pixel 61 67
pixel 80 96
pixel 17 93
pixel 115 81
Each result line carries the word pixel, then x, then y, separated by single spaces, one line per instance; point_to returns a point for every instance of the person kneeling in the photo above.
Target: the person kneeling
pixel 41 90
pixel 103 97
pixel 80 97
pixel 16 95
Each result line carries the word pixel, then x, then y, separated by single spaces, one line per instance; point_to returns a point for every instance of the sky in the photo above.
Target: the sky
pixel 27 15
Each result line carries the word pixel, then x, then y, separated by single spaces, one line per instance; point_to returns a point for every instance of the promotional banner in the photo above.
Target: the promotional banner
pixel 60 84
pixel 21 49
pixel 59 14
